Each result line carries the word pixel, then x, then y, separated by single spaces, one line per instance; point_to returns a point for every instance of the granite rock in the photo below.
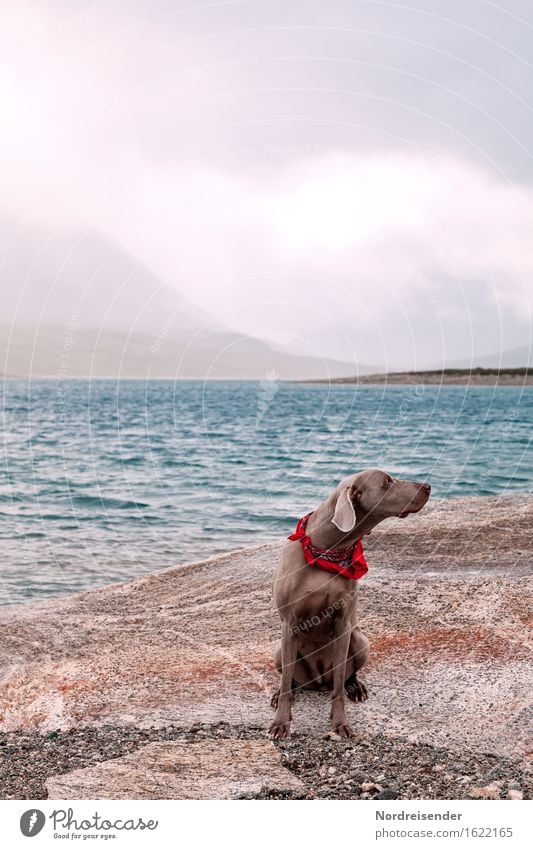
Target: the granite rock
pixel 205 769
pixel 445 605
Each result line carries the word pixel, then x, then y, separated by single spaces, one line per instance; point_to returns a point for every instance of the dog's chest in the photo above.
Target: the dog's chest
pixel 325 605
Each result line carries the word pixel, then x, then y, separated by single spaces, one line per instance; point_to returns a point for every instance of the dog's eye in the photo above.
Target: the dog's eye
pixel 387 481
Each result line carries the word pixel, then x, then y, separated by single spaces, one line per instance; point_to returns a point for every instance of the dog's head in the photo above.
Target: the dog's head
pixel 375 495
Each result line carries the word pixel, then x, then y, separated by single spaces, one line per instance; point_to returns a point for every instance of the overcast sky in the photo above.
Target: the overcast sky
pixel 333 176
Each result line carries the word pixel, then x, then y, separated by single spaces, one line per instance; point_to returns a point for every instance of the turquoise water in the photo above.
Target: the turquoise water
pixel 104 480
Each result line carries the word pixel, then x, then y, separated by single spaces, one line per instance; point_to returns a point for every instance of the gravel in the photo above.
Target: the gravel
pixel 389 767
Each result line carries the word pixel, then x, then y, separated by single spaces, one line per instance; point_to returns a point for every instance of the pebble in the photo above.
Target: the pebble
pixel 328 769
pixel 370 787
pixel 388 793
pixel 488 792
pixel 515 794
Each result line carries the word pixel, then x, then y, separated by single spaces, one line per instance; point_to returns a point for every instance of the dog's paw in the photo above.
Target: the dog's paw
pixel 356 691
pixel 280 730
pixel 343 730
pixel 275 698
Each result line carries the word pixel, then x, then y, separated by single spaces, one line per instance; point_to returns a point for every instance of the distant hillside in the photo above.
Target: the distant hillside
pixel 513 358
pixel 450 376
pixel 49 278
pixel 81 305
pixel 75 304
pixel 71 351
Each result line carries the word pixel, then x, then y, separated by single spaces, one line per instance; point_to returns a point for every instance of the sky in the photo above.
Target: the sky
pixel 345 179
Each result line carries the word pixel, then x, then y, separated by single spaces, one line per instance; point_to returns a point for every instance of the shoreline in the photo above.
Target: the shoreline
pixel 400 378
pixel 213 559
pixel 490 378
pixel 99 687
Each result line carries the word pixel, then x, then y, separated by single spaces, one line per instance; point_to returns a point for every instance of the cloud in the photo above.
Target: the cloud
pixel 340 242
pixel 316 247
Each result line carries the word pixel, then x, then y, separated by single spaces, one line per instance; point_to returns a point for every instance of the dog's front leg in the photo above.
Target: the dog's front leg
pixel 281 726
pixel 339 723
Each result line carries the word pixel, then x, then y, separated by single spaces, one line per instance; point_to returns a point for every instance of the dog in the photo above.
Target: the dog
pixel 321 645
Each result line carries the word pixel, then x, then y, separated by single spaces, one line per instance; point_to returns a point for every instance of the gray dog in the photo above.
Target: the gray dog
pixel 321 645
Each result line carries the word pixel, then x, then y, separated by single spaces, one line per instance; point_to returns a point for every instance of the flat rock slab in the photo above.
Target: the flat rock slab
pixel 445 605
pixel 208 769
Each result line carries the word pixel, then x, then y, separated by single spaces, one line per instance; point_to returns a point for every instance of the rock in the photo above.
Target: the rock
pixel 370 787
pixel 194 644
pixel 388 793
pixel 488 792
pixel 214 769
pixel 332 770
pixel 137 652
pixel 515 794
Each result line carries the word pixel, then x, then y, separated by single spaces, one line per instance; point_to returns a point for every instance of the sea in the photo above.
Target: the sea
pixel 105 480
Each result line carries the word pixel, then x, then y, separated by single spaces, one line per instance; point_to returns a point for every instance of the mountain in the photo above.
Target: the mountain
pixel 75 304
pixel 513 358
pixel 71 351
pixel 63 276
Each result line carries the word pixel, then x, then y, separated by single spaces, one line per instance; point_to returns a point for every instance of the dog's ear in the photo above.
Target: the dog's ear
pixel 344 516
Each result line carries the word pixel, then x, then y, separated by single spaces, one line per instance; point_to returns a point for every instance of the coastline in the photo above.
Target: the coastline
pixel 183 657
pixel 468 378
pixel 401 378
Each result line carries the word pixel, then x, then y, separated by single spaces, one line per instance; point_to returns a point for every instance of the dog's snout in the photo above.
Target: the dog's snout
pixel 426 487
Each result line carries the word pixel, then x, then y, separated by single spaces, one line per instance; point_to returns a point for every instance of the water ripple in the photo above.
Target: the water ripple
pixel 117 479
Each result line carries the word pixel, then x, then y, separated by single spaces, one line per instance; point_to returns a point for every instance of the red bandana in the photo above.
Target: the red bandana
pixel 348 562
